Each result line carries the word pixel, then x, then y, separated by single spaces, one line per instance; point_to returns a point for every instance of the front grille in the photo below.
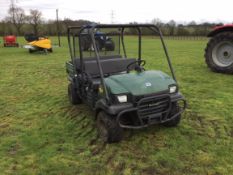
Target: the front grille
pixel 153 106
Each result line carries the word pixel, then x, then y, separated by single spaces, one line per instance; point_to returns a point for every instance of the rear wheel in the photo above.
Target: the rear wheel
pixel 175 121
pixel 219 53
pixel 108 128
pixel 73 96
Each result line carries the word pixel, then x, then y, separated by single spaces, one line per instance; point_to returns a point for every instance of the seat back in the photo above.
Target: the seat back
pixel 87 59
pixel 109 66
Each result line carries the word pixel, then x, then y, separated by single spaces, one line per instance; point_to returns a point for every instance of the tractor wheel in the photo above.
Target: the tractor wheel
pixel 4 44
pixel 219 53
pixel 98 45
pixel 73 96
pixel 108 129
pixel 109 45
pixel 85 43
pixel 174 122
pixel 50 50
pixel 30 50
pixel 85 47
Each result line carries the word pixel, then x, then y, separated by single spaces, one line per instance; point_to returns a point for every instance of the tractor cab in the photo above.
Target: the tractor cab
pixel 112 79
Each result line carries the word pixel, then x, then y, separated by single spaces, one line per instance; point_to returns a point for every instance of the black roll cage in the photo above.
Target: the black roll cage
pixel 121 27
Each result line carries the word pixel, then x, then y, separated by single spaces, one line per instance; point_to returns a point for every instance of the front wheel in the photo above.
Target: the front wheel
pixel 108 128
pixel 219 53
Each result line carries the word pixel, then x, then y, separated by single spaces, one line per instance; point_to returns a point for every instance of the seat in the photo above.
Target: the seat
pixel 109 66
pixel 77 60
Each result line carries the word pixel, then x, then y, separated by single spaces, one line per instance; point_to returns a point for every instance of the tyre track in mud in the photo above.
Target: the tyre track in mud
pixel 218 125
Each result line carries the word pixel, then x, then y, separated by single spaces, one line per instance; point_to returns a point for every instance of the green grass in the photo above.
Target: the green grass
pixel 41 133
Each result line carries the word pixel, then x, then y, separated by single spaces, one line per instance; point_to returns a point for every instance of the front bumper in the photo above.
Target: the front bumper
pixel 150 110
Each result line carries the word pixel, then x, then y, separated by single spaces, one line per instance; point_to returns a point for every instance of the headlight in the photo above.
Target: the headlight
pixel 172 89
pixel 122 98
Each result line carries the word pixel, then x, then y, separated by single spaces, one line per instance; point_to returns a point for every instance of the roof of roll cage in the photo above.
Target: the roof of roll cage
pixel 114 25
pixel 93 26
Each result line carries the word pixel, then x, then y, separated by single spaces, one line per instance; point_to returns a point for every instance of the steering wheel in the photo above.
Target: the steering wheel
pixel 138 67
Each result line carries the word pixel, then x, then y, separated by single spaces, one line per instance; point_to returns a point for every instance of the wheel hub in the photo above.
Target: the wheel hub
pixel 226 54
pixel 223 54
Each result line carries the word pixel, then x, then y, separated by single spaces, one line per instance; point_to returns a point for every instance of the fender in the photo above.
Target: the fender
pixel 220 29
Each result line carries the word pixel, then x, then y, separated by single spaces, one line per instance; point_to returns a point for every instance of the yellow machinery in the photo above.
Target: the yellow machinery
pixel 38 44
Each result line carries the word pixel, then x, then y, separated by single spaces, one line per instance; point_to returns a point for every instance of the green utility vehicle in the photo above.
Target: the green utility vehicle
pixel 119 89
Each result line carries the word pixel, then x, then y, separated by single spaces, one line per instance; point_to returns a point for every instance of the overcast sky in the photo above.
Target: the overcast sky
pixel 128 11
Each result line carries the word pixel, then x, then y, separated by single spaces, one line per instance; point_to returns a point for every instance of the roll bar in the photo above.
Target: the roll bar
pixel 121 27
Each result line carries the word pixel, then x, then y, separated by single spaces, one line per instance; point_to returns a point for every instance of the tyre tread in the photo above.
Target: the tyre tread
pixel 208 53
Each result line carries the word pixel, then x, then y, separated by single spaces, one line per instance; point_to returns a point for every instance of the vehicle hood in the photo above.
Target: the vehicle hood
pixel 142 83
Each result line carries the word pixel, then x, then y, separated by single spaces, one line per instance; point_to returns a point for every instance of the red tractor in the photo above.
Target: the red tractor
pixel 219 50
pixel 10 41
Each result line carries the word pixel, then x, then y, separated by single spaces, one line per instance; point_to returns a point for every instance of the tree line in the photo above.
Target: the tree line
pixel 172 28
pixel 18 23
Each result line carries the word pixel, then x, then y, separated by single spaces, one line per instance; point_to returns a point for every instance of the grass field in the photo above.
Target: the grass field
pixel 42 133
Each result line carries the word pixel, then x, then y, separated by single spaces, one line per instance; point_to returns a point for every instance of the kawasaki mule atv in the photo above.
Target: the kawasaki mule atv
pixel 118 88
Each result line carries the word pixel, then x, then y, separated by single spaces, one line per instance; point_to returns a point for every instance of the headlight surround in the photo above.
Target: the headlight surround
pixel 122 98
pixel 173 89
